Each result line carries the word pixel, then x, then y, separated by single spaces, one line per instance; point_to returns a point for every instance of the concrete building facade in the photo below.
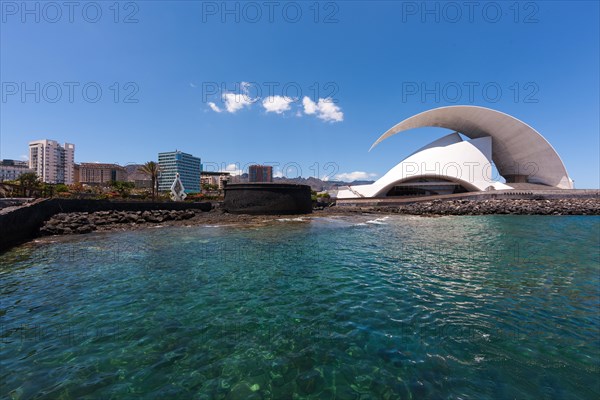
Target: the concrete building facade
pixel 52 162
pixel 188 167
pixel 219 179
pixel 100 174
pixel 11 170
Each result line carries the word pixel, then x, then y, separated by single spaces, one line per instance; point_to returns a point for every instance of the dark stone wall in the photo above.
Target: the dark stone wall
pixel 13 202
pixel 267 199
pixel 23 224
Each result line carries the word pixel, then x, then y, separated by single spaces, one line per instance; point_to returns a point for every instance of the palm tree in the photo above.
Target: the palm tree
pixel 151 168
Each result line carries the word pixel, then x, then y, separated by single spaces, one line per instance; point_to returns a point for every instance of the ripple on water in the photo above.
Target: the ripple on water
pixel 361 307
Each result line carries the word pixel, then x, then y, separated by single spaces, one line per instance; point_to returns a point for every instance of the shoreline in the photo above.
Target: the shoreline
pixel 114 221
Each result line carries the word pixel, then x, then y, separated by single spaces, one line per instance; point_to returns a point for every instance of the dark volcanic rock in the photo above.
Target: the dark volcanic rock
pixel 88 222
pixel 573 206
pixel 84 229
pixel 62 224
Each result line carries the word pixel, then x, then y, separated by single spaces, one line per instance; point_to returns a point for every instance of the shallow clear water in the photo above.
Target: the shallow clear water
pixel 363 307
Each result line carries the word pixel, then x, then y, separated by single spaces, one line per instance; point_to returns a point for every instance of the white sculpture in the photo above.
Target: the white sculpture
pixel 177 189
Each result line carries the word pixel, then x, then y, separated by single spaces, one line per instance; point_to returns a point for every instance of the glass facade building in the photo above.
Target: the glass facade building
pixel 188 166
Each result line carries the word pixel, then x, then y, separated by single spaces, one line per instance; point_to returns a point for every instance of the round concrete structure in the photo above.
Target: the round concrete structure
pixel 267 198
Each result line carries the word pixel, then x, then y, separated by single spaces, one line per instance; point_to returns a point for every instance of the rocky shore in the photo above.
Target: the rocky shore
pixel 83 222
pixel 573 206
pixel 86 222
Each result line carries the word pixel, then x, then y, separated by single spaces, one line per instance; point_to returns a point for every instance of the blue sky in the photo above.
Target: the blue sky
pixel 193 76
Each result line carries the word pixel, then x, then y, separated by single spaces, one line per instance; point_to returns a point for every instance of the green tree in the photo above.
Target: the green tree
pixel 28 182
pixel 151 168
pixel 61 188
pixel 123 188
pixel 47 189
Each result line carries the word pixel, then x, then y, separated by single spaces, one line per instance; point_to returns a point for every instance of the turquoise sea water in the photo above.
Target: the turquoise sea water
pixel 366 307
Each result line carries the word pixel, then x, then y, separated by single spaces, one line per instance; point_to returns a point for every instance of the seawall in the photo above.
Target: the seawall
pixel 23 224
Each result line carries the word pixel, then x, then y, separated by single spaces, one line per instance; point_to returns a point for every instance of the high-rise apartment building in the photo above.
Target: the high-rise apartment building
pixel 52 162
pixel 260 173
pixel 188 167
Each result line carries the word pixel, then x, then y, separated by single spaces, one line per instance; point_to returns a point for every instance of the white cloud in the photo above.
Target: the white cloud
pixel 354 176
pixel 278 174
pixel 214 107
pixel 24 157
pixel 192 85
pixel 325 109
pixel 329 111
pixel 310 107
pixel 277 104
pixel 235 101
pixel 233 169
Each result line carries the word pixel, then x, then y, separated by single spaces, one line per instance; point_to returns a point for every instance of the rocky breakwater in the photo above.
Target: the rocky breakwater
pixel 572 206
pixel 86 222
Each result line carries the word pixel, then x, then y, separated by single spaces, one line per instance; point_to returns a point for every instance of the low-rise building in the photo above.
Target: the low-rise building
pixel 218 179
pixel 98 174
pixel 11 170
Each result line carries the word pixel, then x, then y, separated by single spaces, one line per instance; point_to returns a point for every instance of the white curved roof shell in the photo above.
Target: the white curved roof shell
pixel 448 158
pixel 518 149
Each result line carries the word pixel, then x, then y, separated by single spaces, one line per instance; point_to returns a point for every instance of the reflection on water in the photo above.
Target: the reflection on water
pixel 362 307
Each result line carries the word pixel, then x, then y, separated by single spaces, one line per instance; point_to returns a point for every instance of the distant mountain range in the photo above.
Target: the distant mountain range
pixel 315 183
pixel 133 173
pixel 318 184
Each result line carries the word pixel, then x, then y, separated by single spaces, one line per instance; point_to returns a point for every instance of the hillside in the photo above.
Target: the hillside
pixel 315 183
